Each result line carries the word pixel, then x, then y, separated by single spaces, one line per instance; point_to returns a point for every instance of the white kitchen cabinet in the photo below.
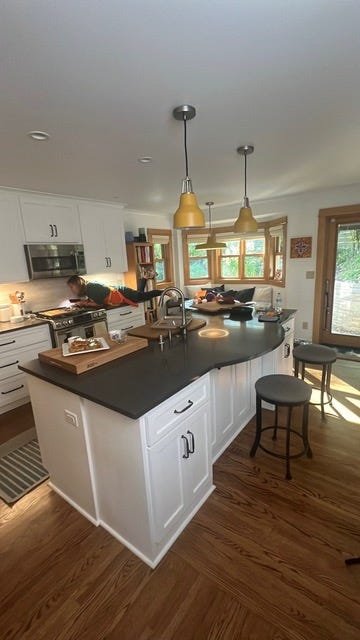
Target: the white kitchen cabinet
pixel 12 256
pixel 125 318
pixel 50 220
pixel 180 470
pixel 103 234
pixel 222 395
pixel 17 347
pixel 242 396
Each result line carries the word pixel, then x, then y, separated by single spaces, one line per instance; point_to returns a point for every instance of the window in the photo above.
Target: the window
pixel 163 255
pixel 256 258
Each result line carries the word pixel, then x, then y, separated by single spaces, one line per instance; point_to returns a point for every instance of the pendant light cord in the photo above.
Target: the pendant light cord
pixel 185 149
pixel 245 174
pixel 210 219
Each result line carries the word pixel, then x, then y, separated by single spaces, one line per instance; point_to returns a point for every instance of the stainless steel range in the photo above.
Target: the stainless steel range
pixel 66 322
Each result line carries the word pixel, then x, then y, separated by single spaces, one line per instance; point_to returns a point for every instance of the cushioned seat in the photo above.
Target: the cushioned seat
pixel 282 391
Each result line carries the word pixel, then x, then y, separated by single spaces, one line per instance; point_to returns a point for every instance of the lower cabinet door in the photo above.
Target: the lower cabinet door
pixel 167 481
pixel 197 468
pixel 222 393
pixel 243 400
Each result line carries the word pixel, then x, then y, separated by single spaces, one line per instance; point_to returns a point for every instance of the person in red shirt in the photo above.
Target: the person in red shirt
pixel 99 295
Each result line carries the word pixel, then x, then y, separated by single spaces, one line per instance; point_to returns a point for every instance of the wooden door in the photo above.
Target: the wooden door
pixel 337 291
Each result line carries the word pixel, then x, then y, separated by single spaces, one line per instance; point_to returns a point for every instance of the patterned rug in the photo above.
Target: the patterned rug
pixel 21 467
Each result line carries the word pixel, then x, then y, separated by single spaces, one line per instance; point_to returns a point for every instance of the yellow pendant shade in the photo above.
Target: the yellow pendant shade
pixel 188 213
pixel 210 244
pixel 246 222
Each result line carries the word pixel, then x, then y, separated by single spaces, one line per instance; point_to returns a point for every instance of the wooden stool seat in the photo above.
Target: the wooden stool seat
pixel 287 391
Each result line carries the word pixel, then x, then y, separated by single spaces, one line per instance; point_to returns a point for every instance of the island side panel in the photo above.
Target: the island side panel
pixel 120 479
pixel 61 433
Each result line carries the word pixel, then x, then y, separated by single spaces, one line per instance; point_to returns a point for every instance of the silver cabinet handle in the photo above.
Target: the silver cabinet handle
pixel 3 344
pixel 192 441
pixel 51 230
pixel 188 406
pixel 106 262
pixel 3 366
pixel 4 393
pixel 186 447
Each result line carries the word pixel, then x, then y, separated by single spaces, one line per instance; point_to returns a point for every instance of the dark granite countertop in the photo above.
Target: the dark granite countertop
pixel 28 323
pixel 135 384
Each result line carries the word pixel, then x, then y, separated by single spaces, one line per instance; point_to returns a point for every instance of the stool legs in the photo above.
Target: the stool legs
pixel 322 390
pixel 276 423
pixel 305 432
pixel 288 432
pixel 258 426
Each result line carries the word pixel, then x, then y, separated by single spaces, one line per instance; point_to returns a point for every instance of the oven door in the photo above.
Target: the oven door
pixel 90 330
pixel 54 260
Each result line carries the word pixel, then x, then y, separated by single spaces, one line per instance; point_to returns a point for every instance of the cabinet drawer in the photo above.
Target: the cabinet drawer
pixel 13 389
pixel 10 362
pixel 125 318
pixel 169 414
pixel 23 338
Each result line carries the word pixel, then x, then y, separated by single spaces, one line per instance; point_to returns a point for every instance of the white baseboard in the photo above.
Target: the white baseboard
pixel 73 504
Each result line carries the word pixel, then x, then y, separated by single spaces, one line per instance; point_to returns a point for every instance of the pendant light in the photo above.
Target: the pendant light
pixel 211 243
pixel 246 222
pixel 188 214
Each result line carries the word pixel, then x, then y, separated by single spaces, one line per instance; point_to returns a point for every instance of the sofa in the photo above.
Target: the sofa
pixel 262 294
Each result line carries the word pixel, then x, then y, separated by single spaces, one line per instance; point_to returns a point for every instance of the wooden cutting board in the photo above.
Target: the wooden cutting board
pixel 146 330
pixel 80 363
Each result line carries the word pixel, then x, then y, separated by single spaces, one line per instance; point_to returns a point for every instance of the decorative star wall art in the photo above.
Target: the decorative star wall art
pixel 301 247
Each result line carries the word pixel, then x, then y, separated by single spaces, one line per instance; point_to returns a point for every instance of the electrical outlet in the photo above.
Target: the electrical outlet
pixel 310 275
pixel 71 418
pixel 305 325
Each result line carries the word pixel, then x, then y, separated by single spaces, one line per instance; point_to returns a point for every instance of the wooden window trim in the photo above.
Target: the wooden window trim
pixel 169 259
pixel 214 257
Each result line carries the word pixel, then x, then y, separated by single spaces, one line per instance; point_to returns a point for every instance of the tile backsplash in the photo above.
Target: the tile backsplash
pixel 45 294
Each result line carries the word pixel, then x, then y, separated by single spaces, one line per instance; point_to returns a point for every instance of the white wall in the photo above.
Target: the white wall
pixel 302 211
pixel 135 219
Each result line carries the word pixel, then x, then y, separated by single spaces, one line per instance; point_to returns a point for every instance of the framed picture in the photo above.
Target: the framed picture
pixel 301 247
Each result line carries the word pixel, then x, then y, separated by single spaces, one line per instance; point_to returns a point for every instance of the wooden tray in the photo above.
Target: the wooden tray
pixel 85 362
pixel 146 330
pixel 213 307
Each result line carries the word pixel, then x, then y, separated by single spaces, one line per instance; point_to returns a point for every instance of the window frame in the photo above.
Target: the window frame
pixel 167 253
pixel 214 257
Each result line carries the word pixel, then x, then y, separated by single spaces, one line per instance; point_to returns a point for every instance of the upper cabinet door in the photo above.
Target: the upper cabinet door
pixel 103 235
pixel 115 240
pixel 50 220
pixel 12 256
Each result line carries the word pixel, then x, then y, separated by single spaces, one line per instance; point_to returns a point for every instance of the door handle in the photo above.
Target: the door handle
pixel 3 366
pixel 192 441
pixel 4 344
pixel 4 393
pixel 56 231
pixel 51 230
pixel 186 453
pixel 188 406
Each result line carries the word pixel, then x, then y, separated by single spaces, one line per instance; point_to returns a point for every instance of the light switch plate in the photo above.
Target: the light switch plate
pixel 71 418
pixel 310 275
pixel 305 325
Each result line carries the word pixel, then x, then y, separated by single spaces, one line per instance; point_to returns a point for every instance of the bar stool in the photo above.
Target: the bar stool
pixel 320 355
pixel 282 391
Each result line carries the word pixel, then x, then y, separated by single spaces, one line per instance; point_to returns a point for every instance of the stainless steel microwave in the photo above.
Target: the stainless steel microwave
pixel 54 260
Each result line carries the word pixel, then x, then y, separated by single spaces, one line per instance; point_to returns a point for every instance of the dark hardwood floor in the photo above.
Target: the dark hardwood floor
pixel 262 560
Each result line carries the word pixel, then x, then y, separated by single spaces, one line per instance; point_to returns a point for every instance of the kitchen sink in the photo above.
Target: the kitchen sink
pixel 171 322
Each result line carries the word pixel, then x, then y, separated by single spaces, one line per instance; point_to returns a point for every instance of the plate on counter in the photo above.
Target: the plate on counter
pixel 66 351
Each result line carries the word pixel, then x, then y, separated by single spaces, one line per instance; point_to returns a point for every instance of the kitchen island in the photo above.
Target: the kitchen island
pixel 131 444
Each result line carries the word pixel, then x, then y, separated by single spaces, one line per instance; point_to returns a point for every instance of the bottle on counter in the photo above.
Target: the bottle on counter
pixel 278 303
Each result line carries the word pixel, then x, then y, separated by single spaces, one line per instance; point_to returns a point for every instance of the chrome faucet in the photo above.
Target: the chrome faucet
pixel 183 310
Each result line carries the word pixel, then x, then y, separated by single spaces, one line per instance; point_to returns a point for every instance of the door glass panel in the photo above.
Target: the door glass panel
pixel 346 298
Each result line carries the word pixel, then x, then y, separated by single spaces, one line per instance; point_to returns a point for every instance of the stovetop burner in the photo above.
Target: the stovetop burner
pixel 61 317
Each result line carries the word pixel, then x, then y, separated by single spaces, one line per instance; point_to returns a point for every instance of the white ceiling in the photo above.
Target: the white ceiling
pixel 102 77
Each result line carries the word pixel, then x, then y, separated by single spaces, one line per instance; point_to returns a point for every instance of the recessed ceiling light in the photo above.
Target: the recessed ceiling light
pixel 145 160
pixel 39 136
